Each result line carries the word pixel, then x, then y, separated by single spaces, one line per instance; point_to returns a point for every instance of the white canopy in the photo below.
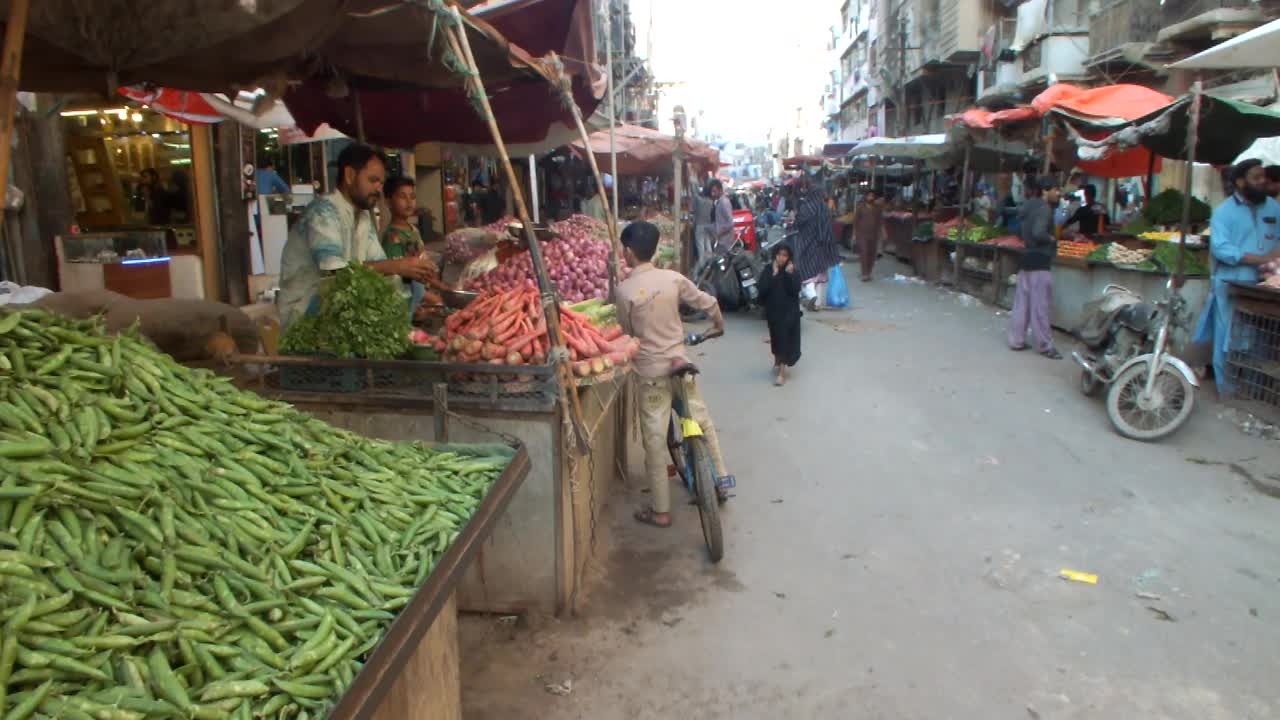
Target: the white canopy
pixel 916 147
pixel 1258 48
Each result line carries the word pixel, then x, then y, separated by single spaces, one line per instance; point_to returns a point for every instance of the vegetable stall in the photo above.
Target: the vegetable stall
pixel 485 374
pixel 173 546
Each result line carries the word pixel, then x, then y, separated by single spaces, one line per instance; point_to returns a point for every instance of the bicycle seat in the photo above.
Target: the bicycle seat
pixel 680 368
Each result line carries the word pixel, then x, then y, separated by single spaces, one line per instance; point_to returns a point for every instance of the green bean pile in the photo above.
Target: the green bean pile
pixel 173 547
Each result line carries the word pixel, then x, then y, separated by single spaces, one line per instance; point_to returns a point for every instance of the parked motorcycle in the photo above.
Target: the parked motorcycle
pixel 730 277
pixel 1151 391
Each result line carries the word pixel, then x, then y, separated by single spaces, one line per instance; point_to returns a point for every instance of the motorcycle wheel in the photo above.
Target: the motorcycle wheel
pixel 1146 419
pixel 1089 384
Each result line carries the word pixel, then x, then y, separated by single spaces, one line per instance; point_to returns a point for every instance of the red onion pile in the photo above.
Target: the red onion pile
pixel 577 264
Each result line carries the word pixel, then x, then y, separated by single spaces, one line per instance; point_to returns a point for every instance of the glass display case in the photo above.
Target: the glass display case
pixel 124 246
pixel 135 263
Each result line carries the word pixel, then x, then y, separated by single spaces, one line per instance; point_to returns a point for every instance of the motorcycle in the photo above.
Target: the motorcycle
pixel 730 277
pixel 1151 392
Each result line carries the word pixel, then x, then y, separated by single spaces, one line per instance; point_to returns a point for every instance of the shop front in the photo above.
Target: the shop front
pixel 141 189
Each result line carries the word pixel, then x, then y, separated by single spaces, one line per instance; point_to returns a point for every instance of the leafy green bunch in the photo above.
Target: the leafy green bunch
pixel 361 315
pixel 1165 208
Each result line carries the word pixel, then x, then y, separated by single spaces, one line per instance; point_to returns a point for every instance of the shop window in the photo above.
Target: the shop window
pixel 130 168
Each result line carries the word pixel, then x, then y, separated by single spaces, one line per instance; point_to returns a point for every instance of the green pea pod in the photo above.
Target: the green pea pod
pixel 163 681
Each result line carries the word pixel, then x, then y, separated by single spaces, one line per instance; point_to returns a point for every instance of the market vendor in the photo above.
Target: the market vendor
pixel 1245 231
pixel 338 229
pixel 1090 218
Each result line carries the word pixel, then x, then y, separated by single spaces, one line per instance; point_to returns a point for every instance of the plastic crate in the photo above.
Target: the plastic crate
pixel 311 378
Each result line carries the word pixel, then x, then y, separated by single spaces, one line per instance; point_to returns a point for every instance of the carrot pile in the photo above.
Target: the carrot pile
pixel 508 328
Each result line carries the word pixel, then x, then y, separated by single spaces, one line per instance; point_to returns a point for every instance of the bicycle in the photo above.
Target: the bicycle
pixel 692 457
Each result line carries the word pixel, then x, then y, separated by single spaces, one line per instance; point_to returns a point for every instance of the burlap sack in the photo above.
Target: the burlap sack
pixel 186 329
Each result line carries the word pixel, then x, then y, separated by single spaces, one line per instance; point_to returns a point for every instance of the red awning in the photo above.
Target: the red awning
pixel 184 105
pixel 800 161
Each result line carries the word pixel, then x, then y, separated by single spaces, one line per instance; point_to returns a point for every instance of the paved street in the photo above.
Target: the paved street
pixel 905 505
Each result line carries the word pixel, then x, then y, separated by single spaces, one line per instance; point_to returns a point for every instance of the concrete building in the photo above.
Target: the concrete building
pixel 850 93
pixel 917 61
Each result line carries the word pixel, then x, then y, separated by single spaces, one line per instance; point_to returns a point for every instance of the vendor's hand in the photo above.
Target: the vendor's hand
pixel 417 268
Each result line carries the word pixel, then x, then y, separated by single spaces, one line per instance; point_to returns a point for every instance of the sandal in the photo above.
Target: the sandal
pixel 1052 354
pixel 647 516
pixel 1017 348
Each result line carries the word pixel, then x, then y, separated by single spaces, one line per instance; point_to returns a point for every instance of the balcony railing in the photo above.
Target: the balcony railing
pixel 1124 21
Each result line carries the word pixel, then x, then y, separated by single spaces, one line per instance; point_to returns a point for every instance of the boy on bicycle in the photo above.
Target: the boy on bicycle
pixel 648 304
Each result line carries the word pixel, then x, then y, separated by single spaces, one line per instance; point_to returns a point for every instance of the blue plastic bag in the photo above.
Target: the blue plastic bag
pixel 837 290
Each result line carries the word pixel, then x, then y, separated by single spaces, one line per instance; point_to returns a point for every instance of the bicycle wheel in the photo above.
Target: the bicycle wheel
pixel 705 490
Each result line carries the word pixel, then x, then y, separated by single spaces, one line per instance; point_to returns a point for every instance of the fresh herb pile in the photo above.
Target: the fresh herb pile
pixel 1165 208
pixel 1166 256
pixel 174 547
pixel 361 315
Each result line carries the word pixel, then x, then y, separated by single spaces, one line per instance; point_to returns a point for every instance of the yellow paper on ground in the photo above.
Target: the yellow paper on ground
pixel 1078 576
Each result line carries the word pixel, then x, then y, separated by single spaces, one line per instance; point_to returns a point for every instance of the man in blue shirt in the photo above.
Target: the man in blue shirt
pixel 1245 233
pixel 269 181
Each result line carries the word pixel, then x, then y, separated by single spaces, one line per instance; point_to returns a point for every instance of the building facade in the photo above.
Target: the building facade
pixel 917 61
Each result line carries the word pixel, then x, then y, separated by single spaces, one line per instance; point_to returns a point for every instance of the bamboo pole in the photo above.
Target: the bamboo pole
pixel 461 46
pixel 10 71
pixel 615 245
pixel 1193 132
pixel 677 204
pixel 533 186
pixel 613 121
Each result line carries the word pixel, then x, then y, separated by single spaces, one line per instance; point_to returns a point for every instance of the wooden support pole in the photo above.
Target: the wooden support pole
pixel 15 32
pixel 1193 133
pixel 677 205
pixel 461 46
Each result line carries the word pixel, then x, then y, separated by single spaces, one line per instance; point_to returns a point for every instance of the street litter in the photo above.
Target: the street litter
pixel 1161 614
pixel 904 280
pixel 561 689
pixel 1077 576
pixel 1147 596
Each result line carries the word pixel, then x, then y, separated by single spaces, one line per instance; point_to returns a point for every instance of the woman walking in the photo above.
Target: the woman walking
pixel 780 294
pixel 817 250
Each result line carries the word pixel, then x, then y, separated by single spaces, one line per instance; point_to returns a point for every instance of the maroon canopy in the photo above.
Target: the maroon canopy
pixel 527 107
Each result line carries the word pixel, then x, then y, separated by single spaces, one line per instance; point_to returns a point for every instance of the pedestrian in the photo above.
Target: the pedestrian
pixel 1033 297
pixel 868 225
pixel 1273 181
pixel 593 205
pixel 1091 217
pixel 1244 235
pixel 817 249
pixel 780 295
pixel 648 306
pixel 721 226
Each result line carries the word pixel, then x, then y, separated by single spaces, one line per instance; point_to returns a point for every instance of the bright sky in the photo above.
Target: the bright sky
pixel 746 64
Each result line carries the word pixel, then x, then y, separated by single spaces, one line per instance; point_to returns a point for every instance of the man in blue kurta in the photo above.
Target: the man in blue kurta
pixel 1245 233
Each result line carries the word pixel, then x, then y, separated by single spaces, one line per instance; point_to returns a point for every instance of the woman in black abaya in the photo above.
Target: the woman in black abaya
pixel 780 293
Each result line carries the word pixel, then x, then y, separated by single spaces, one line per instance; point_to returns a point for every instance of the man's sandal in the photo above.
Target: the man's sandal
pixel 647 516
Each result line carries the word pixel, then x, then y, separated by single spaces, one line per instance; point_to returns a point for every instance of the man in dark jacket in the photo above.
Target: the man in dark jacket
pixel 1034 295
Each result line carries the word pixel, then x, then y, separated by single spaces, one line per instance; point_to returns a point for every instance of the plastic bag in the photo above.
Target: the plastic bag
pixel 837 290
pixel 808 292
pixel 11 293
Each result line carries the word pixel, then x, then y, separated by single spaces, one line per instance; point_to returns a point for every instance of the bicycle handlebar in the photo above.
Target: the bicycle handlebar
pixel 696 338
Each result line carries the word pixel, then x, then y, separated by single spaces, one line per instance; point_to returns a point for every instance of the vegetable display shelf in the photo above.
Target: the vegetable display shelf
pixel 536 557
